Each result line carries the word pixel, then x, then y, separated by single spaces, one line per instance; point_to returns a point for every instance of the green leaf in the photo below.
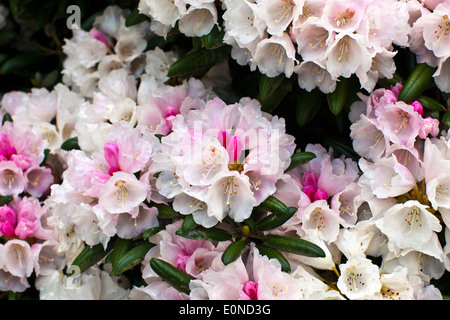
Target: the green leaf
pixel 151 232
pixel 268 85
pixel 135 17
pixel 308 105
pixel 418 81
pixel 70 144
pixel 336 99
pixel 121 247
pixel 341 147
pixel 92 254
pixel 166 212
pixel 188 223
pixel 430 103
pixel 201 233
pixel 300 158
pixel 175 277
pixel 5 200
pixel 275 220
pixel 131 258
pixel 293 245
pixel 213 39
pixel 6 117
pixel 273 100
pixel 272 253
pixel 198 61
pixel 19 62
pixel 274 205
pixel 446 119
pixel 233 251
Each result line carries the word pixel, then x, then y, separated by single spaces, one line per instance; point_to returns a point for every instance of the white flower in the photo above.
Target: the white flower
pixel 198 20
pixel 167 12
pixel 359 279
pixel 409 225
pixel 278 14
pixel 230 194
pixel 312 75
pixel 275 55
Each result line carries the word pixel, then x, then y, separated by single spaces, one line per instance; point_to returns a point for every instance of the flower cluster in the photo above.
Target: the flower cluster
pixel 430 40
pixel 27 242
pixel 122 182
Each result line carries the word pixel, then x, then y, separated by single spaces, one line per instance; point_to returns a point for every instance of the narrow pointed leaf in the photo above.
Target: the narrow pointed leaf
pixel 275 220
pixel 200 233
pixel 70 144
pixel 92 255
pixel 233 251
pixel 175 277
pixel 300 158
pixel 131 258
pixel 274 205
pixel 151 232
pixel 166 212
pixel 293 245
pixel 275 254
pixel 188 223
pixel 121 247
pixel 308 105
pixel 418 81
pixel 336 99
pixel 198 61
pixel 430 103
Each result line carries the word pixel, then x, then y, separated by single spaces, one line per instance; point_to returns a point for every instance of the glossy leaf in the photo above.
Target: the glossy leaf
pixel 70 144
pixel 175 277
pixel 275 220
pixel 92 255
pixel 233 251
pixel 300 158
pixel 198 61
pixel 293 245
pixel 131 258
pixel 274 205
pixel 201 233
pixel 308 105
pixel 418 81
pixel 272 253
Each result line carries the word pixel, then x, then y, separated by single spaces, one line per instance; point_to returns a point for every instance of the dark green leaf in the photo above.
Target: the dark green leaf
pixel 92 255
pixel 198 61
pixel 150 232
pixel 131 258
pixel 274 205
pixel 201 233
pixel 430 103
pixel 293 245
pixel 18 62
pixel 341 147
pixel 272 253
pixel 300 158
pixel 336 99
pixel 446 119
pixel 175 277
pixel 273 221
pixel 166 212
pixel 233 251
pixel 6 117
pixel 135 17
pixel 121 247
pixel 214 39
pixel 418 81
pixel 268 85
pixel 308 105
pixel 5 200
pixel 188 223
pixel 70 144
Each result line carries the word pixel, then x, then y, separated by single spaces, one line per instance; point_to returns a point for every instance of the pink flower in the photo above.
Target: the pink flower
pixel 430 126
pixel 12 180
pixel 400 123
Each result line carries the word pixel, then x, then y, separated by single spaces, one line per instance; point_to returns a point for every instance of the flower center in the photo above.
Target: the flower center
pixel 443 28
